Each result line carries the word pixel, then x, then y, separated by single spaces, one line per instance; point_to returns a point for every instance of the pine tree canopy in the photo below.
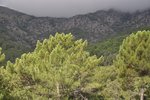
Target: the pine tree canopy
pixel 133 62
pixel 58 68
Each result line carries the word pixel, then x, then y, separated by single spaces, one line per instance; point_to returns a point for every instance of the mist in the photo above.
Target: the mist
pixel 68 8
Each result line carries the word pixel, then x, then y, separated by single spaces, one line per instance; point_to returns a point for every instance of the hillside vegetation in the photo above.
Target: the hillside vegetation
pixel 19 32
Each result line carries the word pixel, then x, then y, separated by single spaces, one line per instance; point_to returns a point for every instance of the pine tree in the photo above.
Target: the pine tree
pixel 59 68
pixel 3 80
pixel 2 57
pixel 133 63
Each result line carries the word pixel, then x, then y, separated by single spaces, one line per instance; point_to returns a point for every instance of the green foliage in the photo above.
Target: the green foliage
pixel 58 68
pixel 108 48
pixel 133 63
pixel 12 46
pixel 103 77
pixel 134 53
pixel 2 57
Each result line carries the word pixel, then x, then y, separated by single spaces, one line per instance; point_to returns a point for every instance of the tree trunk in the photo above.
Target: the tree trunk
pixel 142 94
pixel 58 91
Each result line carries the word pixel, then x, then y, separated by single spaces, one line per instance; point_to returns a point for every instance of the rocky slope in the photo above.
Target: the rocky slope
pixel 21 31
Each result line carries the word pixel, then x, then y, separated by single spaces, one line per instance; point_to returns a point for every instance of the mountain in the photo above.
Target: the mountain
pixel 19 32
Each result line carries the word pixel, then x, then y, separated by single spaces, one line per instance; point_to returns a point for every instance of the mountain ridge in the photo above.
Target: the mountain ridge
pixel 21 31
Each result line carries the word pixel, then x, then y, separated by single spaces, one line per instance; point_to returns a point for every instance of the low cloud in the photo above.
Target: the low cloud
pixel 67 8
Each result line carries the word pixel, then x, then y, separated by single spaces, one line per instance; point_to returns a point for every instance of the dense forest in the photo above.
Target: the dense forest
pixel 63 68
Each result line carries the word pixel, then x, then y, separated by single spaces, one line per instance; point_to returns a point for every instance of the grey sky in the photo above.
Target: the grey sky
pixel 66 8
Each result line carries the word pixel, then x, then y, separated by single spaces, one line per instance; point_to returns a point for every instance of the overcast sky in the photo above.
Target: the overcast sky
pixel 67 8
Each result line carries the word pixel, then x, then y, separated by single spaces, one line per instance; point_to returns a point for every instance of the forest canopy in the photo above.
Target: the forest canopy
pixel 61 68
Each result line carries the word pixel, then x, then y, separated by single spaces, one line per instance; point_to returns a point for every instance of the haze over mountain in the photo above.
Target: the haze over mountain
pixel 68 8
